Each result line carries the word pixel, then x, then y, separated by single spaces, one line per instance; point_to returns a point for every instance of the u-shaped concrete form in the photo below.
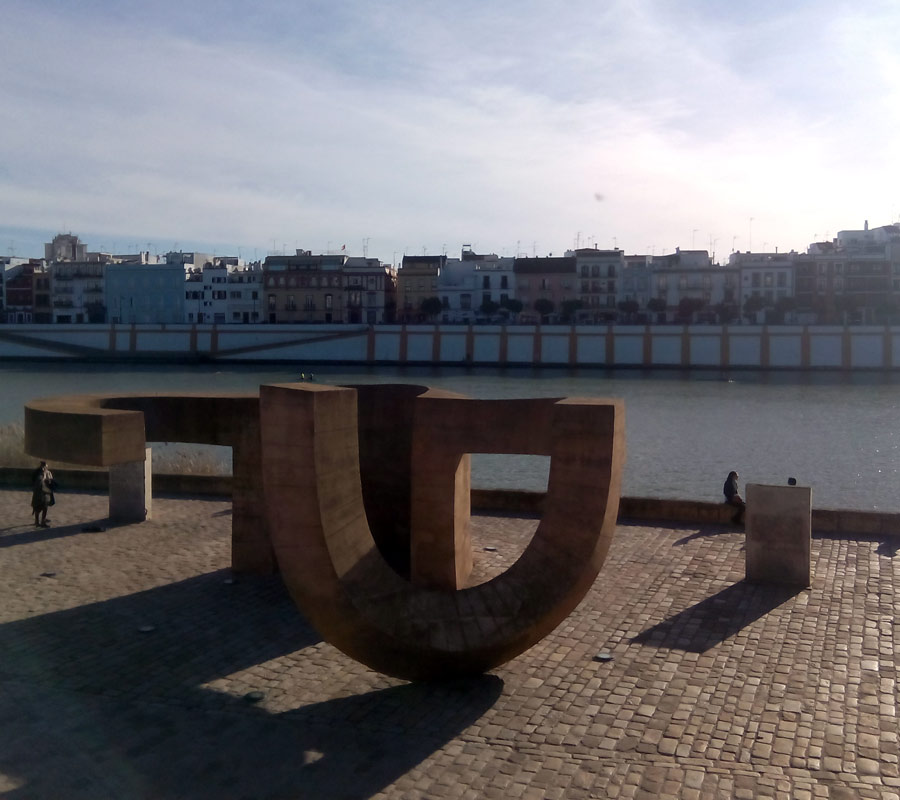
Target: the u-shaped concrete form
pixel 362 496
pixel 425 628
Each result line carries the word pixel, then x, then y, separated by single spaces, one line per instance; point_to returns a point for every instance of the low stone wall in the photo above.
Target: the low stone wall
pixel 98 480
pixel 501 501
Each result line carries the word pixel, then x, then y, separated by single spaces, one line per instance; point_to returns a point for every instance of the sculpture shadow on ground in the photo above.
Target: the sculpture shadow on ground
pixel 98 706
pixel 707 532
pixel 717 618
pixel 32 534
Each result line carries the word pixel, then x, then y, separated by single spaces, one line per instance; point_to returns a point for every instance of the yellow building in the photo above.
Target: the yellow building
pixel 417 279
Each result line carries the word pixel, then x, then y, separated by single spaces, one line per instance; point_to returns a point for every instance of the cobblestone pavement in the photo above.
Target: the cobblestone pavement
pixel 127 657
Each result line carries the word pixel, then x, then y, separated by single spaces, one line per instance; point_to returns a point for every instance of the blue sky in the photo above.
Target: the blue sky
pixel 524 126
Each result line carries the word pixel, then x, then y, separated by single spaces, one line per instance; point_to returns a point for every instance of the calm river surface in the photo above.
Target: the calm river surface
pixel 838 433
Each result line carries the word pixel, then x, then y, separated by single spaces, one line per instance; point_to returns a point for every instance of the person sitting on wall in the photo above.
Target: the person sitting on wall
pixel 733 497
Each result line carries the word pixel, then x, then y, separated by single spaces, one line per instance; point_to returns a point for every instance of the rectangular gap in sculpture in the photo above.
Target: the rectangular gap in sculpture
pixel 505 471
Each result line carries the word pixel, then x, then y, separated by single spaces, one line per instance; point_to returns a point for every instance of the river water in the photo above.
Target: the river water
pixel 838 433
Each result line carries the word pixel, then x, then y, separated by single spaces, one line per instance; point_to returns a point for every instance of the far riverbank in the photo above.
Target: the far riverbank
pixel 766 347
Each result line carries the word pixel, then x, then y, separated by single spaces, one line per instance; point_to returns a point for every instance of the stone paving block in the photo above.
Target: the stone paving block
pixel 102 709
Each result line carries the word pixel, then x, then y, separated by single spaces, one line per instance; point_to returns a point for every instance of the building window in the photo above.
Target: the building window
pixel 271 302
pixel 329 301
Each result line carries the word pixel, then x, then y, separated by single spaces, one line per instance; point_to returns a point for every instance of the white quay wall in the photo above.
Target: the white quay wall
pixel 692 346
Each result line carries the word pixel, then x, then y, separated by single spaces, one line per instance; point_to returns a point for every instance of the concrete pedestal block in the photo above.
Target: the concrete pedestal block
pixel 130 496
pixel 778 526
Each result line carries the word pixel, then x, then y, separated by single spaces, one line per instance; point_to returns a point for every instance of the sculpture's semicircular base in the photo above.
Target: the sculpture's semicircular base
pixel 329 561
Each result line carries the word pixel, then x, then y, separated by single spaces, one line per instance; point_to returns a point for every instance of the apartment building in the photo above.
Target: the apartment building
pixel 304 287
pixel 687 287
pixel 598 274
pixel 369 291
pixel 550 282
pixel 853 279
pixel 766 282
pixel 27 292
pixel 245 293
pixel 417 280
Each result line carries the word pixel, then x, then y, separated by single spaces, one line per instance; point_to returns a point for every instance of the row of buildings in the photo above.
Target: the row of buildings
pixel 855 278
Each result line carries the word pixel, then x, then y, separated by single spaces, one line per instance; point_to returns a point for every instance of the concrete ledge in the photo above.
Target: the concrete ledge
pixel 505 501
pixel 651 508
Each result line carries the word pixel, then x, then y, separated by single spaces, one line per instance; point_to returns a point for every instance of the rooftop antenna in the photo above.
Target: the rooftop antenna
pixel 365 244
pixel 533 249
pixel 693 236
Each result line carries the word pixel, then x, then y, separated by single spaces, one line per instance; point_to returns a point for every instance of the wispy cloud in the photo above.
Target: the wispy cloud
pixel 417 124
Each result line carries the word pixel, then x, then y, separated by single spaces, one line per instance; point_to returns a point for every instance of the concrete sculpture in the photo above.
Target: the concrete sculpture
pixel 113 431
pixel 362 494
pixel 424 627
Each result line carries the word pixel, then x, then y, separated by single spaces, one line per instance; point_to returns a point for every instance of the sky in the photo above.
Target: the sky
pixel 518 127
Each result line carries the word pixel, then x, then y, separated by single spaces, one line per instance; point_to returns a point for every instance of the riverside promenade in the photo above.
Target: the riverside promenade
pixel 132 666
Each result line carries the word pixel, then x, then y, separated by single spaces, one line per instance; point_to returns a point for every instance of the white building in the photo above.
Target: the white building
pixel 193 299
pixel 245 293
pixel 471 286
pixel 769 279
pixel 77 290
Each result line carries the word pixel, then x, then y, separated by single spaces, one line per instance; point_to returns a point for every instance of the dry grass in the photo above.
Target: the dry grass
pixel 169 460
pixel 12 447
